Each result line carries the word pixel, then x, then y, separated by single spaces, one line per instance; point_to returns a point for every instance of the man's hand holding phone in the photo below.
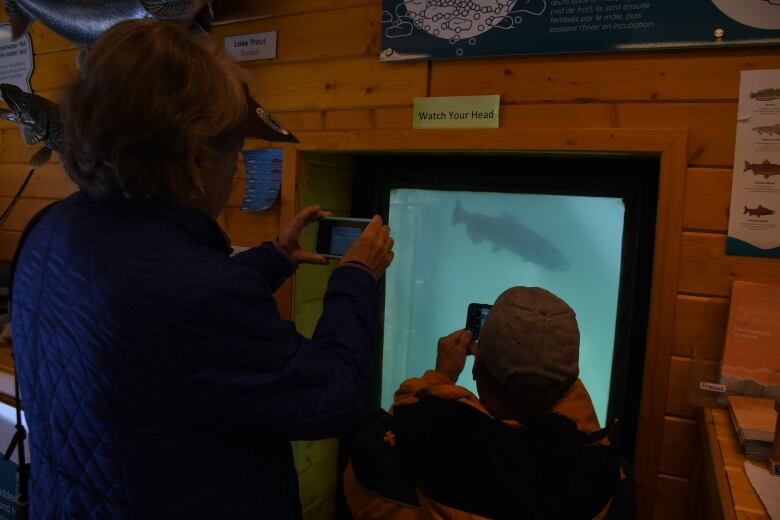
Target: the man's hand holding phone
pixel 373 248
pixel 452 352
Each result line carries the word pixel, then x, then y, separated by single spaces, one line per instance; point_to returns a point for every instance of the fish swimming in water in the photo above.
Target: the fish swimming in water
pixel 38 117
pixel 768 94
pixel 773 129
pixel 505 232
pixel 82 21
pixel 760 211
pixel 765 168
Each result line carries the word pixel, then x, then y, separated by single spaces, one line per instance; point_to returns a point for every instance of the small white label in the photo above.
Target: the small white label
pixel 16 59
pixel 248 47
pixel 712 387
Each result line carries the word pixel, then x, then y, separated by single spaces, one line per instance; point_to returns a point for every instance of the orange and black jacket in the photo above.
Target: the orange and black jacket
pixel 441 455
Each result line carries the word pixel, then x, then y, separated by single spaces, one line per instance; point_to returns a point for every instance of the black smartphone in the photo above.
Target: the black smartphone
pixel 475 318
pixel 335 235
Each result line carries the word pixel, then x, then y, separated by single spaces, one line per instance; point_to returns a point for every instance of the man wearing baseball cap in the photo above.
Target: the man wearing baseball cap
pixel 529 447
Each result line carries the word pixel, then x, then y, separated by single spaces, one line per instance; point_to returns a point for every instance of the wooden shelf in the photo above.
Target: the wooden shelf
pixel 726 468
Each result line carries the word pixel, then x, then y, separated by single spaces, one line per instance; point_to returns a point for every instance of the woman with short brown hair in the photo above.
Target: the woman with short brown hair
pixel 158 379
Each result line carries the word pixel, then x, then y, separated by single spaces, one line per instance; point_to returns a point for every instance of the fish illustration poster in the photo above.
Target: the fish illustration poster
pixel 755 187
pixel 424 29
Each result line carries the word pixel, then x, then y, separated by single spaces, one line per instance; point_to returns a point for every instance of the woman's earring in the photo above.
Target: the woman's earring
pixel 200 193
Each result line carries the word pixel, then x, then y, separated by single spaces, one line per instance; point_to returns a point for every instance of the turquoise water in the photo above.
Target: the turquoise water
pixel 456 247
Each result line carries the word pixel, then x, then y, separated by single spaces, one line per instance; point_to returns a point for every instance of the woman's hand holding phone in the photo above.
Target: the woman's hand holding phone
pixel 373 248
pixel 290 234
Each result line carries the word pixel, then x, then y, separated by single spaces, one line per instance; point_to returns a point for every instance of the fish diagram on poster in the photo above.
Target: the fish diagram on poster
pixel 460 22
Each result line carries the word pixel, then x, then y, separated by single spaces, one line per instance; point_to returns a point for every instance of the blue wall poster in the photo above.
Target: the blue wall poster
pixel 263 178
pixel 423 29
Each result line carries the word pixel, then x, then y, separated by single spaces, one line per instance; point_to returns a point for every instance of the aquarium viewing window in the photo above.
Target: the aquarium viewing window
pixel 469 226
pixel 458 247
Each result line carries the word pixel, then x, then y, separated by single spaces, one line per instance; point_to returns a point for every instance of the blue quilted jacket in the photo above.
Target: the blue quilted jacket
pixel 157 377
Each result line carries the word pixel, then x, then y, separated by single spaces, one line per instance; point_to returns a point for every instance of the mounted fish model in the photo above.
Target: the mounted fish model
pixel 38 118
pixel 83 21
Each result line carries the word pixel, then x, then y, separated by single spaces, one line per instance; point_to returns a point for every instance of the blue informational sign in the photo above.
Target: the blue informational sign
pixel 263 178
pixel 423 29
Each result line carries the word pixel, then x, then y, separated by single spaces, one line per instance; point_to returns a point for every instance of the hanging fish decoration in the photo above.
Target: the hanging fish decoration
pixel 82 21
pixel 38 118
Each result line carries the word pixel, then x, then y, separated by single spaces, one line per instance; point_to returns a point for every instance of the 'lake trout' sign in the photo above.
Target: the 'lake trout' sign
pixel 250 47
pixel 456 112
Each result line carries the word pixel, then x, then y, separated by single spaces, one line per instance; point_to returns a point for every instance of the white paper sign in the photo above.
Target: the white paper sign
pixel 754 219
pixel 16 59
pixel 248 47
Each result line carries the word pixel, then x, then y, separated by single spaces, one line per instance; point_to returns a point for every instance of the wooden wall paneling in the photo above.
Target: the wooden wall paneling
pixel 227 11
pixel 557 115
pixel 706 269
pixel 679 440
pixel 13 137
pixel 45 41
pixel 392 118
pixel 711 127
pixel 352 31
pixel 660 321
pixel 236 198
pixel 5 124
pixel 22 212
pixel 703 501
pixel 8 243
pixel 678 389
pixel 247 228
pixel 54 70
pixel 700 326
pixel 671 495
pixel 684 372
pixel 349 119
pixel 707 199
pixel 22 154
pixel 665 142
pixel 48 181
pixel 648 76
pixel 337 83
pixel 717 484
pixel 306 120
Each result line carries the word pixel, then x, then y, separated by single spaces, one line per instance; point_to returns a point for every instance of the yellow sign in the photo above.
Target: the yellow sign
pixel 456 112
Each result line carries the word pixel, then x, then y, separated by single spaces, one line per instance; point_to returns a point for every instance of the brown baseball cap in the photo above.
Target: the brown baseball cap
pixel 260 123
pixel 531 333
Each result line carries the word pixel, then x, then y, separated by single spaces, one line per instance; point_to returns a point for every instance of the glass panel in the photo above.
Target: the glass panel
pixel 458 247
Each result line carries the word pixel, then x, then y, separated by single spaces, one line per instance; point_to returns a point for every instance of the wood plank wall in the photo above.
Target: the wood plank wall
pixel 328 77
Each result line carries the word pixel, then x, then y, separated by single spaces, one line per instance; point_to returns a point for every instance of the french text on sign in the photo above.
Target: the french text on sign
pixel 248 47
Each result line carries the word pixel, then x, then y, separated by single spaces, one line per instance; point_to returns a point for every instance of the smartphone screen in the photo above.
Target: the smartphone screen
pixel 475 317
pixel 336 235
